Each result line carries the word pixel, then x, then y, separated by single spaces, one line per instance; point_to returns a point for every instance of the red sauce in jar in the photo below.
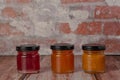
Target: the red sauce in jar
pixel 28 58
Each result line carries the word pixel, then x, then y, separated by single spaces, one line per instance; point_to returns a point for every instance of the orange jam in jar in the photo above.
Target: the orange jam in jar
pixel 62 58
pixel 93 58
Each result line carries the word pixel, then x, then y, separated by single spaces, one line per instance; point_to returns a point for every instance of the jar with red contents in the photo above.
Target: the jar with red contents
pixel 28 58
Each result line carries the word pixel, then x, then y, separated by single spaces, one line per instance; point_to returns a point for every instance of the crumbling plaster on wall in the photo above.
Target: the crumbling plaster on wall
pixel 44 16
pixel 113 2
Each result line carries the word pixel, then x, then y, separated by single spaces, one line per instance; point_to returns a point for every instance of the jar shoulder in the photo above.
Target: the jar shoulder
pixel 71 54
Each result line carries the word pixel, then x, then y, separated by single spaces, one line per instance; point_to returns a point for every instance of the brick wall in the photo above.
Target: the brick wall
pixel 46 22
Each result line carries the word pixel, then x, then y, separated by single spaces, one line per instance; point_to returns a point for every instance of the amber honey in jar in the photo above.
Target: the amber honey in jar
pixel 93 58
pixel 62 58
pixel 28 58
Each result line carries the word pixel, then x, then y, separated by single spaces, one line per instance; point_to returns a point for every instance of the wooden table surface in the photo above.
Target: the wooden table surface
pixel 8 70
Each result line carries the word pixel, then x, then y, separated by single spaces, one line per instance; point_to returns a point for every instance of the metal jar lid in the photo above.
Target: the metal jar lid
pixel 93 47
pixel 27 47
pixel 62 46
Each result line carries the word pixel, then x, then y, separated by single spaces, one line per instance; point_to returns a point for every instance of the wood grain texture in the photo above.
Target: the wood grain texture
pixel 112 69
pixel 8 70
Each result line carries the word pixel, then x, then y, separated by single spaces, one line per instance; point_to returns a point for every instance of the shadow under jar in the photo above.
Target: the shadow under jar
pixel 28 58
pixel 62 58
pixel 93 58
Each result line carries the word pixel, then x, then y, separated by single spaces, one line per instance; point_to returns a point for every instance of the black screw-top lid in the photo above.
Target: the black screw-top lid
pixel 62 46
pixel 93 47
pixel 27 47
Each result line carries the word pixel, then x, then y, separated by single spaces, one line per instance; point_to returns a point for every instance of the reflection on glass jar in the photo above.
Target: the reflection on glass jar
pixel 62 58
pixel 28 58
pixel 93 58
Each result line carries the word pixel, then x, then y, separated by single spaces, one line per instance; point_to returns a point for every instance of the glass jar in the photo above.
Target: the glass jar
pixel 28 58
pixel 93 58
pixel 62 58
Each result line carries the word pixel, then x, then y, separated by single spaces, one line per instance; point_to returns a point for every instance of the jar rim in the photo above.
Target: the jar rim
pixel 27 47
pixel 93 47
pixel 62 46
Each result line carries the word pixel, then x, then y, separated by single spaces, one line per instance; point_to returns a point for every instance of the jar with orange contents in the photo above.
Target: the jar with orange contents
pixel 62 58
pixel 93 58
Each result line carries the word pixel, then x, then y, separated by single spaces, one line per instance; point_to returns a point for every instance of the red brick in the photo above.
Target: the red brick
pixel 64 28
pixel 112 28
pixel 23 1
pixel 18 1
pixel 76 1
pixel 112 45
pixel 104 12
pixel 90 28
pixel 15 32
pixel 82 29
pixel 9 12
pixel 7 30
pixel 8 1
pixel 4 29
pixel 95 28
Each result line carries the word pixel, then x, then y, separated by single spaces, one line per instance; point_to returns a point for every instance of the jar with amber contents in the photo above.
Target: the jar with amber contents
pixel 28 58
pixel 93 58
pixel 62 58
